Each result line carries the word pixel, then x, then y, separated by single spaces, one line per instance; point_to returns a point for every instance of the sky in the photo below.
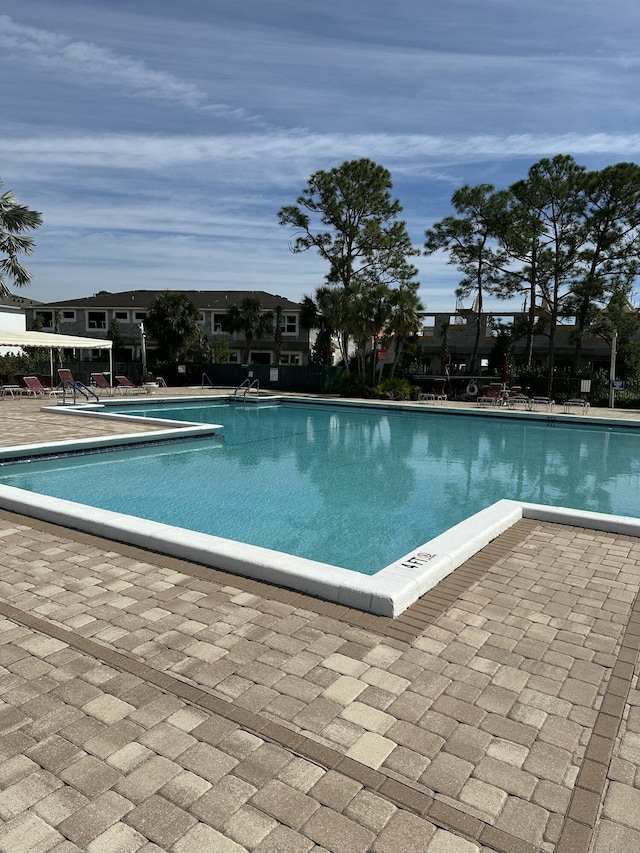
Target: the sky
pixel 160 138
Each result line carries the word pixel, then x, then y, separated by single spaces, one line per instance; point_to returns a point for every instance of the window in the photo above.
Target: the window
pixel 121 315
pixel 289 324
pixel 139 315
pixel 500 321
pixel 47 319
pixel 290 358
pixel 218 322
pixel 96 319
pixel 428 326
pixel 68 316
pixel 234 357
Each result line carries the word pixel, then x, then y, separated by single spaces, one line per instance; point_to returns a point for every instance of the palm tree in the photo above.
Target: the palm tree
pixel 174 321
pixel 325 313
pixel 405 319
pixel 249 318
pixel 277 334
pixel 15 219
pixel 369 314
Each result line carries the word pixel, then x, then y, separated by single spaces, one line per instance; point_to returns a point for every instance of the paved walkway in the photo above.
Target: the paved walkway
pixel 148 704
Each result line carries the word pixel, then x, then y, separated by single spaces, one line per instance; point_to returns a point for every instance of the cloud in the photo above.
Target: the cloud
pixel 87 63
pixel 302 151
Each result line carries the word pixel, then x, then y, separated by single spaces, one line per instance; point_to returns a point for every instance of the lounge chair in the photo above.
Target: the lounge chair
pixel 546 403
pixel 68 383
pixel 10 390
pixel 577 403
pixel 66 377
pixel 126 386
pixel 492 395
pixel 519 400
pixel 34 386
pixel 100 382
pixel 437 391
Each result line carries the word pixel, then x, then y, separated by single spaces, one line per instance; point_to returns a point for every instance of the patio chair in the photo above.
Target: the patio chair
pixel 33 385
pixel 66 377
pixel 100 382
pixel 126 386
pixel 10 390
pixel 492 395
pixel 519 401
pixel 436 393
pixel 545 402
pixel 577 403
pixel 68 383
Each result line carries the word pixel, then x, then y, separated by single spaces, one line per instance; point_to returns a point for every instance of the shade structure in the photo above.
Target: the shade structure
pixel 52 341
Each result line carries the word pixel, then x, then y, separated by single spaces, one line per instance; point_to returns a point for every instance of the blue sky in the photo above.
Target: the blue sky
pixel 159 139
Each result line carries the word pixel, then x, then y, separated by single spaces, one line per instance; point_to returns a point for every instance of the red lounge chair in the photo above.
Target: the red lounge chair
pixel 69 384
pixel 100 381
pixel 492 395
pixel 35 387
pixel 66 377
pixel 126 386
pixel 437 391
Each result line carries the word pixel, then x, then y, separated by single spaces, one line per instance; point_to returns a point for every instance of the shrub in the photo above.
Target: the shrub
pixel 395 389
pixel 352 385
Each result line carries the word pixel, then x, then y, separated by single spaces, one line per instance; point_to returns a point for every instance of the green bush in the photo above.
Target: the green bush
pixel 395 389
pixel 352 385
pixel 27 363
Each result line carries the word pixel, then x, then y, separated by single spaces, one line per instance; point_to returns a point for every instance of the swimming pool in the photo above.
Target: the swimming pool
pixel 343 485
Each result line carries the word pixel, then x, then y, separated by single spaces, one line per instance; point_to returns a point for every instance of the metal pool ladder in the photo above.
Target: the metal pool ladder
pixel 75 387
pixel 247 385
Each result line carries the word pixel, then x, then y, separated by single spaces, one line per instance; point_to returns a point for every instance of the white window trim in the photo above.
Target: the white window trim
pixel 285 333
pixel 46 325
pixel 96 328
pixel 289 356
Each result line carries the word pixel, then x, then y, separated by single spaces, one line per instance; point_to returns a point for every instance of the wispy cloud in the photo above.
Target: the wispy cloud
pixel 86 63
pixel 133 151
pixel 159 140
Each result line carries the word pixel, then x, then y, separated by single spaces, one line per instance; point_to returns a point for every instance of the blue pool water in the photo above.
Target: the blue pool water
pixel 348 486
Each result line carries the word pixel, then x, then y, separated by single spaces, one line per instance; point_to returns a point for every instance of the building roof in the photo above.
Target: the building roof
pixel 202 299
pixel 13 301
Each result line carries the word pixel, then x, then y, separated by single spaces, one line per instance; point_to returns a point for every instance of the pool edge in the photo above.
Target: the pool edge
pixel 387 593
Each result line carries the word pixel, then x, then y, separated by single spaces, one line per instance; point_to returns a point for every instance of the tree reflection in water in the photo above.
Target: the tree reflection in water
pixel 349 486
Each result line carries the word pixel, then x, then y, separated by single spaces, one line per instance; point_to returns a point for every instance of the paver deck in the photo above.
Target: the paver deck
pixel 149 704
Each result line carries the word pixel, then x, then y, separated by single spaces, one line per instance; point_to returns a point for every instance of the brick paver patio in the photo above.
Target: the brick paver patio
pixel 148 704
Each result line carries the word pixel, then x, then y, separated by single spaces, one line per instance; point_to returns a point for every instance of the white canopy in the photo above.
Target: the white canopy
pixel 51 341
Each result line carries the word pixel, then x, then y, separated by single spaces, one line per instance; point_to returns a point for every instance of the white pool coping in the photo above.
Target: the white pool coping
pixel 387 593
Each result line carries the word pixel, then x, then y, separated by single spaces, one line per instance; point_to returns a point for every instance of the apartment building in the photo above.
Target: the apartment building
pixel 92 317
pixel 460 330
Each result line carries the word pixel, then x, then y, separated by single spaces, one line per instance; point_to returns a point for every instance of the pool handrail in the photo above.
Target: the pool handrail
pixel 247 385
pixel 75 387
